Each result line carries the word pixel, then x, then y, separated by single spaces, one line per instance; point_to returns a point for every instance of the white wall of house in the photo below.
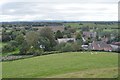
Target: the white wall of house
pixel 114 47
pixel 64 40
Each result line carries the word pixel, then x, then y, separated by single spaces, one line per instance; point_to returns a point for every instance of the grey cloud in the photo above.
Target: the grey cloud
pixel 57 11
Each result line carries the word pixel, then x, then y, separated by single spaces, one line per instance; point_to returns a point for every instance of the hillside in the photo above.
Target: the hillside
pixel 63 65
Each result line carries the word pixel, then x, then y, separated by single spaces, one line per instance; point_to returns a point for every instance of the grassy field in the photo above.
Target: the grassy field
pixel 91 25
pixel 70 65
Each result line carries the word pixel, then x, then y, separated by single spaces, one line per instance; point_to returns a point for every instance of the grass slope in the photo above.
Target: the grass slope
pixel 58 64
pixel 94 73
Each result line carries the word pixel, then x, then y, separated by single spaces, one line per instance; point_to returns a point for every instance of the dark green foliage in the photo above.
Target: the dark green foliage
pixel 67 48
pixel 72 30
pixel 32 38
pixel 6 37
pixel 38 52
pixel 78 36
pixel 24 48
pixel 69 36
pixel 76 46
pixel 8 48
pixel 59 46
pixel 35 51
pixel 58 34
pixel 85 28
pixel 45 43
pixel 48 33
pixel 13 43
pixel 20 39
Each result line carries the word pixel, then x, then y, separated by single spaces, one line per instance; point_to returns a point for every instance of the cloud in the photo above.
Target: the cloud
pixel 26 11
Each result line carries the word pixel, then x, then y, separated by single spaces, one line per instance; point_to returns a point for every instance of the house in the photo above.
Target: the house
pixel 115 46
pixel 85 47
pixel 89 34
pixel 64 40
pixel 100 45
pixel 105 39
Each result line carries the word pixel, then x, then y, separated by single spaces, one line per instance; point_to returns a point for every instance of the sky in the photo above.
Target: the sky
pixel 67 10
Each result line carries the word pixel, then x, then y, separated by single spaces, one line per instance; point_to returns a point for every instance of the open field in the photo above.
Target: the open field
pixel 91 25
pixel 70 64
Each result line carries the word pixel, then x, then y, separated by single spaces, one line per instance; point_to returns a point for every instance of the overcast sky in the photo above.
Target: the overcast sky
pixel 70 10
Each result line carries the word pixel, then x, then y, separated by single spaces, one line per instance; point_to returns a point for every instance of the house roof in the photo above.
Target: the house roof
pixel 116 43
pixel 101 45
pixel 89 34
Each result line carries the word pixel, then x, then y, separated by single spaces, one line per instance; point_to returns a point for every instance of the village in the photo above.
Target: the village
pixel 59 39
pixel 82 37
pixel 59 44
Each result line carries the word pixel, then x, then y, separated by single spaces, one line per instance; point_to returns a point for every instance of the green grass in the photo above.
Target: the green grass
pixel 91 25
pixel 2 44
pixel 7 53
pixel 94 73
pixel 62 64
pixel 10 53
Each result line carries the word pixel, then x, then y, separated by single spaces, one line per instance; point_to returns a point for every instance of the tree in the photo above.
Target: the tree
pixel 45 43
pixel 47 32
pixel 32 38
pixel 8 48
pixel 85 28
pixel 67 48
pixel 33 42
pixel 58 34
pixel 72 30
pixel 76 46
pixel 13 43
pixel 23 48
pixel 6 37
pixel 69 36
pixel 78 36
pixel 59 46
pixel 79 39
pixel 20 39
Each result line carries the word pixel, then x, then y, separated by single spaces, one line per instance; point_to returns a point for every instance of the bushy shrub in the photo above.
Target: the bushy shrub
pixel 13 43
pixel 23 48
pixel 76 47
pixel 38 52
pixel 8 48
pixel 59 46
pixel 67 48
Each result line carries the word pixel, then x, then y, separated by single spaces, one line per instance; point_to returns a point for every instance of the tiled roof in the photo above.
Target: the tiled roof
pixel 100 45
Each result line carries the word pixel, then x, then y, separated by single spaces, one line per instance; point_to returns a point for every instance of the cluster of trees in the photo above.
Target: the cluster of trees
pixel 30 41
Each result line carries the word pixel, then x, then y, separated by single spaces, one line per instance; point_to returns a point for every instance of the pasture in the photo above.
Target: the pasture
pixel 64 65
